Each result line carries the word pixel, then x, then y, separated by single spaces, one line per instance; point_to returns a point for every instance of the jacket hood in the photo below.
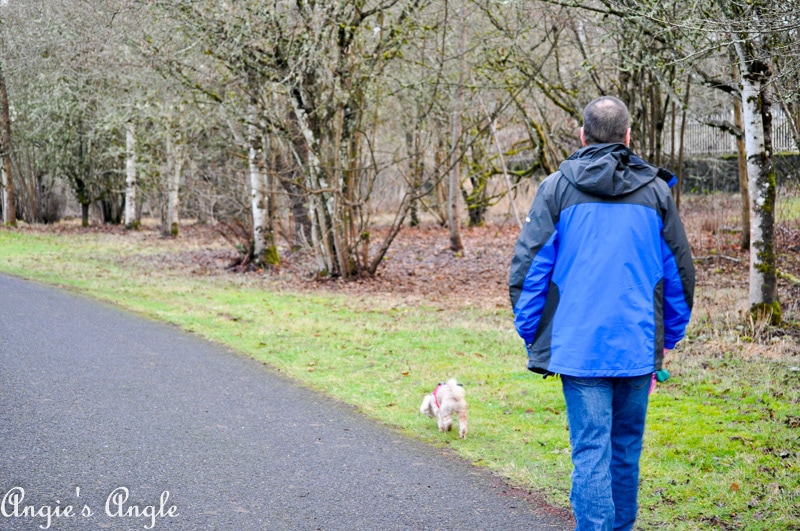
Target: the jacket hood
pixel 607 170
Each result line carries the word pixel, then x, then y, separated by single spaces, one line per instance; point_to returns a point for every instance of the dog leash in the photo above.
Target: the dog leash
pixel 435 399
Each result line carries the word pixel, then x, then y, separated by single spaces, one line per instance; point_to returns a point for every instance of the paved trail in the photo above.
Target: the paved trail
pixel 107 412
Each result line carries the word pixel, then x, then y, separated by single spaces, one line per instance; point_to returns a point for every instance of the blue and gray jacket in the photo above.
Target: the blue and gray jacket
pixel 602 278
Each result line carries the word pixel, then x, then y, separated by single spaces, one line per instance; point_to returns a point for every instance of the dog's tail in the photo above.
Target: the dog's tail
pixel 427 405
pixel 456 388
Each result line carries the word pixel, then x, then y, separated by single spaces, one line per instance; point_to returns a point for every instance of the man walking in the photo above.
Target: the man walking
pixel 602 284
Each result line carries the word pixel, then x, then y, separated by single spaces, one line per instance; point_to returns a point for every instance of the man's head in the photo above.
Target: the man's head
pixel 606 121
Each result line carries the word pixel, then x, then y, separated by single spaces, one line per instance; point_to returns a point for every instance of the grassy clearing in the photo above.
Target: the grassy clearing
pixel 723 436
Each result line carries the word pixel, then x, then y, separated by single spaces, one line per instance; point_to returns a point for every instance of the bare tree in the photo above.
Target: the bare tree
pixel 6 181
pixel 752 51
pixel 319 61
pixel 454 187
pixel 8 205
pixel 748 28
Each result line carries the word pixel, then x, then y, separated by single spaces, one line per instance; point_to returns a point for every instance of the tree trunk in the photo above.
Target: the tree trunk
pixel 9 209
pixel 258 195
pixel 502 159
pixel 336 209
pixel 456 244
pixel 130 177
pixel 302 223
pixel 453 220
pixel 757 116
pixel 415 179
pixel 441 160
pixel 320 235
pixel 743 184
pixel 177 158
pixel 84 214
pixel 676 190
pixel 270 184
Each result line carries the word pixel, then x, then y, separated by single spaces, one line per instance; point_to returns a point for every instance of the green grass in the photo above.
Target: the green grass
pixel 788 208
pixel 722 447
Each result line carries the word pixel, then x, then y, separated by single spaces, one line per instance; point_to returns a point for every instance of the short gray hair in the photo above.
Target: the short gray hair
pixel 605 121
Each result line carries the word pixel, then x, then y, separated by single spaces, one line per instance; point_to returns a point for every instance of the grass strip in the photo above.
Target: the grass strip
pixel 722 444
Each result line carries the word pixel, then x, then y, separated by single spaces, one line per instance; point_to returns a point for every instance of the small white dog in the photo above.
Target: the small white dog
pixel 443 402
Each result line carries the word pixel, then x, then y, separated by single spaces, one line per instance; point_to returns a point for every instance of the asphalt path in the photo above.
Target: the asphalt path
pixel 111 421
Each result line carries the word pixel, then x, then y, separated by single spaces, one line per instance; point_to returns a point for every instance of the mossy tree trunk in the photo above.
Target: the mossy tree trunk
pixel 757 116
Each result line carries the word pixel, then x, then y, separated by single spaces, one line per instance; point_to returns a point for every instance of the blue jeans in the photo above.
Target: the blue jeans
pixel 606 428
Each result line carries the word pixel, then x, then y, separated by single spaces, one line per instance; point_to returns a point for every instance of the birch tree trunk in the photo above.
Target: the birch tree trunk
pixel 9 209
pixel 258 195
pixel 130 177
pixel 757 116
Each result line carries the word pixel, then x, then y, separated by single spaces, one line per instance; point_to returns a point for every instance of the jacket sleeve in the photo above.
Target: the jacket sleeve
pixel 532 265
pixel 679 277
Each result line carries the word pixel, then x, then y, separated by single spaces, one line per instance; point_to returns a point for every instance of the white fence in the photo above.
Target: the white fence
pixel 702 139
